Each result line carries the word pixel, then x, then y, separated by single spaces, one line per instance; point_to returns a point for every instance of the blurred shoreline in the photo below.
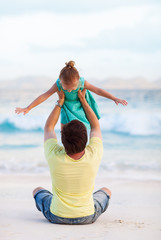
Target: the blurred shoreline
pixel 43 82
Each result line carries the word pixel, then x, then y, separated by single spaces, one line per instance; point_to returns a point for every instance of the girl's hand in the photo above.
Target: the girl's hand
pixel 22 110
pixel 81 94
pixel 61 96
pixel 123 102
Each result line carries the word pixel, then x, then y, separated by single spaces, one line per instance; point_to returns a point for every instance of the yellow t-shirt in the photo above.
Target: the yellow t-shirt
pixel 73 180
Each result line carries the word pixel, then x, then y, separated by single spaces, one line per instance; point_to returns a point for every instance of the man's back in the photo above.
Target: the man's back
pixel 73 175
pixel 73 180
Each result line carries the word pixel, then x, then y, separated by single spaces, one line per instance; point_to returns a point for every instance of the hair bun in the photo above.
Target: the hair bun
pixel 70 64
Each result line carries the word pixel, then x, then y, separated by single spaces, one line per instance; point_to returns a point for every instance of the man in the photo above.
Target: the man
pixel 73 169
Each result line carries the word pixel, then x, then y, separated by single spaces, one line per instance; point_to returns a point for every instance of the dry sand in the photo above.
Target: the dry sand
pixel 134 211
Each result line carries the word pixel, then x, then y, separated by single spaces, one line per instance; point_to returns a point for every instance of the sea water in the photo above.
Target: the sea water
pixel 131 134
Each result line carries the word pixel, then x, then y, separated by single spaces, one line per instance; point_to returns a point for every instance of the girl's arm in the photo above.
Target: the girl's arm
pixel 103 93
pixel 38 100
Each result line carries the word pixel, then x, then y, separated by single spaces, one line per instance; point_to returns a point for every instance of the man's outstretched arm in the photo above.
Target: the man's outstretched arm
pixel 49 131
pixel 91 116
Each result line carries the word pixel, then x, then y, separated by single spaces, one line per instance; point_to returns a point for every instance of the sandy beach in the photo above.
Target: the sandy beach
pixel 134 211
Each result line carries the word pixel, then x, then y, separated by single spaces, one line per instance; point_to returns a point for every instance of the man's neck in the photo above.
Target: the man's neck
pixel 77 156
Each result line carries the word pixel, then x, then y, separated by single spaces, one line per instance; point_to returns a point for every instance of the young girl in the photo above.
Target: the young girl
pixel 70 82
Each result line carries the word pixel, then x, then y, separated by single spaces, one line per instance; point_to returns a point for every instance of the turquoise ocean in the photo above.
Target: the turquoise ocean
pixel 131 135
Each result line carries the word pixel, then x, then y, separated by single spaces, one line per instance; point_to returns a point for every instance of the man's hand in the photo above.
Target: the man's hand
pixel 61 97
pixel 91 116
pixel 123 102
pixel 22 110
pixel 81 94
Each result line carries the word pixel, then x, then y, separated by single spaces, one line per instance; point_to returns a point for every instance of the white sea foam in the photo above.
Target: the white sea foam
pixel 142 124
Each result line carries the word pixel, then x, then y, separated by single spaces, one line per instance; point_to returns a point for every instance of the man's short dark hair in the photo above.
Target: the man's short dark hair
pixel 74 137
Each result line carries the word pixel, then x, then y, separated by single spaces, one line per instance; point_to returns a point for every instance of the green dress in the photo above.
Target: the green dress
pixel 72 108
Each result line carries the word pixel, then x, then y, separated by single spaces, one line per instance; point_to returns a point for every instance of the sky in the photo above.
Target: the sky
pixel 106 38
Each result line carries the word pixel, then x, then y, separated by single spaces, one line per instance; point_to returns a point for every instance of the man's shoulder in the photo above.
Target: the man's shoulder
pixel 50 141
pixel 95 144
pixel 51 146
pixel 94 150
pixel 95 140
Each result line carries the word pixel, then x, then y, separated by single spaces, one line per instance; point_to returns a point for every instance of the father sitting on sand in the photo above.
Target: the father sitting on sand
pixel 73 169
